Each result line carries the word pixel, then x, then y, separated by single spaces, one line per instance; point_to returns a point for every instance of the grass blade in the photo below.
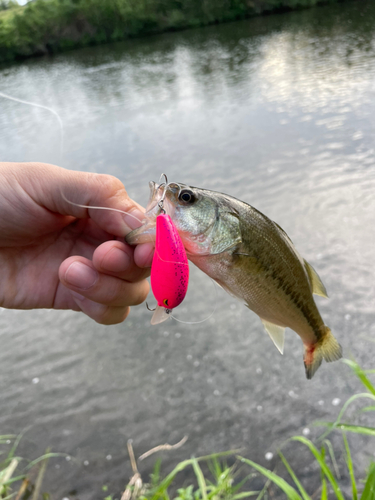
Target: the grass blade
pixel 368 408
pixel 369 490
pixel 6 438
pixel 361 374
pixel 297 482
pixel 39 479
pixel 320 459
pixel 349 464
pixel 358 429
pixel 6 475
pixel 241 483
pixel 245 494
pixel 155 476
pixel 333 458
pixel 324 495
pixel 290 492
pixel 46 456
pixel 215 468
pixel 162 487
pixel 200 478
pixel 15 445
pixel 264 490
pixel 9 497
pixel 334 425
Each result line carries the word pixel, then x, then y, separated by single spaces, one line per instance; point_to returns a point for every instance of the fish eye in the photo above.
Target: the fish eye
pixel 187 196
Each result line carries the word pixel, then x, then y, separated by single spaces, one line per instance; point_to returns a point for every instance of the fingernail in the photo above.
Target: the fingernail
pixel 134 218
pixel 81 276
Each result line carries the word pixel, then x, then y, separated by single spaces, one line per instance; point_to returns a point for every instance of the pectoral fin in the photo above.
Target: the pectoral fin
pixel 316 283
pixel 277 334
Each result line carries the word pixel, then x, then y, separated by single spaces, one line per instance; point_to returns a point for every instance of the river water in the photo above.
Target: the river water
pixel 278 111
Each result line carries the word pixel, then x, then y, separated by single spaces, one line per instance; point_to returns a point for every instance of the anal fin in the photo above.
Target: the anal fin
pixel 277 334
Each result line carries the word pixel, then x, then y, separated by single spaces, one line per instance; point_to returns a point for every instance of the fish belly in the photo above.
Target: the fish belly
pixel 259 293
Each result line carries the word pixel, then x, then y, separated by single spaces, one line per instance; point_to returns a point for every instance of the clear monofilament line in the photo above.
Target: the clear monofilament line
pixel 36 105
pixel 202 320
pixel 100 208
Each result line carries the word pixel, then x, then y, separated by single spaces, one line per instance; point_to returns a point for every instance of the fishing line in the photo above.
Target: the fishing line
pixel 35 105
pixel 100 208
pixel 203 320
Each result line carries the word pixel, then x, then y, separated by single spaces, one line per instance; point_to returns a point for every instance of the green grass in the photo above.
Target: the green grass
pixel 222 481
pixel 214 479
pixel 16 473
pixel 45 26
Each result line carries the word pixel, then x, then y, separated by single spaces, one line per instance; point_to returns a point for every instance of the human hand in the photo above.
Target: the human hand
pixel 54 254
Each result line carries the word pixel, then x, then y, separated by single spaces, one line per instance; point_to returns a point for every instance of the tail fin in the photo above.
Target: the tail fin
pixel 327 347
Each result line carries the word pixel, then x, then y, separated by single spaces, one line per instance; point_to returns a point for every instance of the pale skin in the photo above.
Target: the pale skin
pixel 59 256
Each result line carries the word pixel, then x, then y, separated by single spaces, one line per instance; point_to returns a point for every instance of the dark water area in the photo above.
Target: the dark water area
pixel 278 111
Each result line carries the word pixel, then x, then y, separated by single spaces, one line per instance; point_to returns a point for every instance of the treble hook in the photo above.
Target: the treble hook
pixel 152 310
pixel 165 185
pixel 165 177
pixel 161 207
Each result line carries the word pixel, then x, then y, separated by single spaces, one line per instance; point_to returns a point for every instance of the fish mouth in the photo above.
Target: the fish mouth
pixel 161 198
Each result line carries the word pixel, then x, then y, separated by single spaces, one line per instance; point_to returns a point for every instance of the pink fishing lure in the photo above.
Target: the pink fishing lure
pixel 170 269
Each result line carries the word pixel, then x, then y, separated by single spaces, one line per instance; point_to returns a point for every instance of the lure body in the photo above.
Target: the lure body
pixel 170 269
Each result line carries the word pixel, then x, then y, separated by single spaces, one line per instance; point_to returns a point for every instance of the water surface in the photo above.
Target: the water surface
pixel 278 111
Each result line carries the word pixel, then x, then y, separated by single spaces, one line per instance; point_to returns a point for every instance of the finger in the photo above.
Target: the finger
pixel 105 315
pixel 79 275
pixel 143 255
pixel 117 259
pixel 60 190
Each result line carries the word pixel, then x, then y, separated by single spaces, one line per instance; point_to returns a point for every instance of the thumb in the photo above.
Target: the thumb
pixel 61 191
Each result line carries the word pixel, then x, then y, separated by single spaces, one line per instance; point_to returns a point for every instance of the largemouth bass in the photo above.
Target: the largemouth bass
pixel 252 258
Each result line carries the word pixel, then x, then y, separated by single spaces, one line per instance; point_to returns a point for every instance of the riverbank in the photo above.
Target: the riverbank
pixel 50 26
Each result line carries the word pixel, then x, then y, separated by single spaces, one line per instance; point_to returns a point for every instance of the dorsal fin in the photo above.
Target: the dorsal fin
pixel 316 283
pixel 277 334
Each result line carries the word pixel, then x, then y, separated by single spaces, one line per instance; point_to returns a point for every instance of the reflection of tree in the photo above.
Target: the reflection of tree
pixel 319 58
pixel 303 59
